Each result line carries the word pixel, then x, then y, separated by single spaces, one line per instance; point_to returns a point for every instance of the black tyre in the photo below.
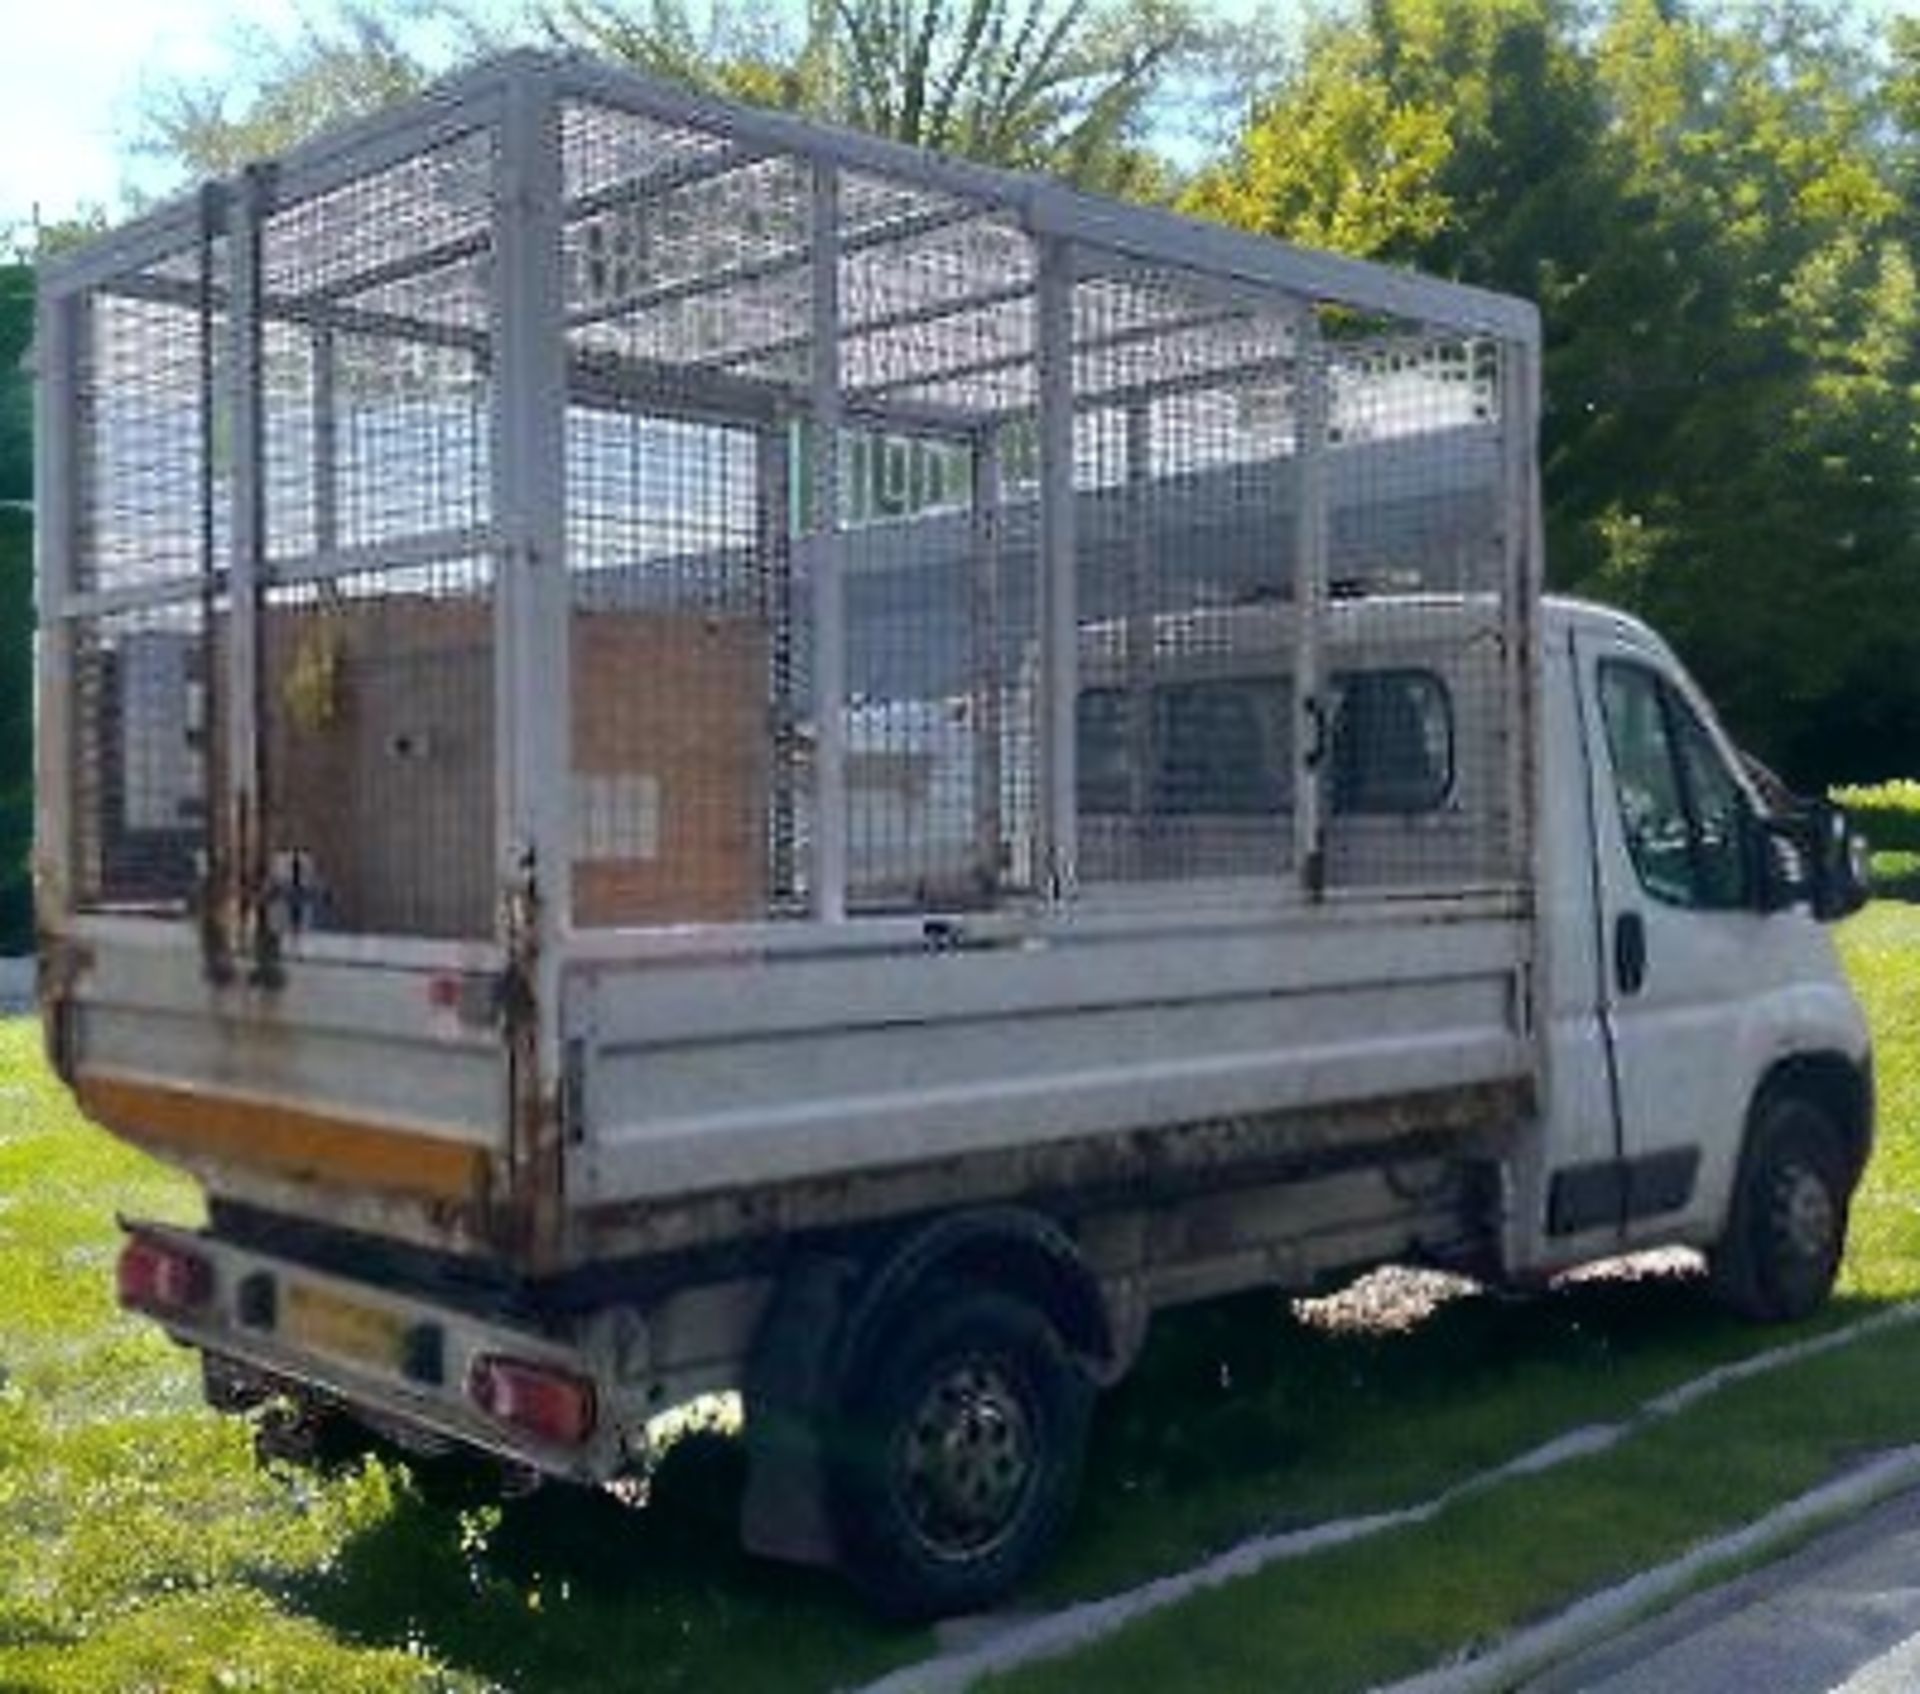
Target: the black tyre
pixel 958 1458
pixel 1788 1224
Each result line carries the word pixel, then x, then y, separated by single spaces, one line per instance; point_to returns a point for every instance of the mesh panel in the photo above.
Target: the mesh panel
pixel 941 607
pixel 688 785
pixel 296 485
pixel 1417 777
pixel 683 250
pixel 142 458
pixel 153 513
pixel 937 303
pixel 400 403
pixel 690 265
pixel 940 618
pixel 376 697
pixel 375 395
pixel 140 750
pixel 1186 498
pixel 424 212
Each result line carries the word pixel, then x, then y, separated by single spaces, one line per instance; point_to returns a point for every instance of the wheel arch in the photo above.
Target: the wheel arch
pixel 830 1306
pixel 1005 1249
pixel 1839 1084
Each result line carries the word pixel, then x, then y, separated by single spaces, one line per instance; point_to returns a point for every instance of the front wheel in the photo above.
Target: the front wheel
pixel 959 1457
pixel 1788 1224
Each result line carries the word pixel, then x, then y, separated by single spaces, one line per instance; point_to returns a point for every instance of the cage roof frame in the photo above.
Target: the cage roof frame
pixel 1045 207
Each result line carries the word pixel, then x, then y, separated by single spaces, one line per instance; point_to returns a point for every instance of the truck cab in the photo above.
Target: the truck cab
pixel 1692 990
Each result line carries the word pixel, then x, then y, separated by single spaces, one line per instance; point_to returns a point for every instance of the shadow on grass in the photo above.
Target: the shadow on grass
pixel 1239 1417
pixel 569 1589
pixel 1242 1418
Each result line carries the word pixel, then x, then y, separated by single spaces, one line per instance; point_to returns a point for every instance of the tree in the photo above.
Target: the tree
pixel 16 613
pixel 1759 424
pixel 1707 210
pixel 333 68
pixel 1446 133
pixel 1062 85
pixel 1338 157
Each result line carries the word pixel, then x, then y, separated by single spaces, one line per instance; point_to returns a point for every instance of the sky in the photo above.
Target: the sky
pixel 69 88
pixel 71 77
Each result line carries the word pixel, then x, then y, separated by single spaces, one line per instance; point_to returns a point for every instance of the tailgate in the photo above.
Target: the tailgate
pixel 366 1094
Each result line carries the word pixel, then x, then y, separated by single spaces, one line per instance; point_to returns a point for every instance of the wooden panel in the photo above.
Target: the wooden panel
pixel 677 699
pixel 381 753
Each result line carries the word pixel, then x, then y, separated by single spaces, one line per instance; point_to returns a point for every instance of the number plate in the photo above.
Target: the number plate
pixel 364 1334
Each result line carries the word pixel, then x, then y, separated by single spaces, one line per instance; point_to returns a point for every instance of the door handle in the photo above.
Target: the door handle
pixel 1630 952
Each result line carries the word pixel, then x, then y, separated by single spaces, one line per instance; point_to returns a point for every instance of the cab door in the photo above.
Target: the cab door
pixel 1686 952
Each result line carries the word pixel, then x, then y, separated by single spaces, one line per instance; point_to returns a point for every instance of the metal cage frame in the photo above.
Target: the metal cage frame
pixel 532 361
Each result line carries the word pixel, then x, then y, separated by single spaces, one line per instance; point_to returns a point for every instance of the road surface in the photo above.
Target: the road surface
pixel 1841 1614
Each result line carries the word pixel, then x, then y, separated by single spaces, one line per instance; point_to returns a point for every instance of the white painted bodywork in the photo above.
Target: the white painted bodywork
pixel 726 1074
pixel 1149 1006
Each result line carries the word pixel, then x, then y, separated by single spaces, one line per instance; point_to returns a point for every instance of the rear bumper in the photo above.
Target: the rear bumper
pixel 393 1357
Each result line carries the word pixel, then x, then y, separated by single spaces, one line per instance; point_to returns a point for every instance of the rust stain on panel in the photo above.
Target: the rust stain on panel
pixel 1087 1174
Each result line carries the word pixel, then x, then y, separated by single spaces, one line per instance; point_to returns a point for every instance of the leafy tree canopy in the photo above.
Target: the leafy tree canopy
pixel 1714 211
pixel 1062 85
pixel 16 403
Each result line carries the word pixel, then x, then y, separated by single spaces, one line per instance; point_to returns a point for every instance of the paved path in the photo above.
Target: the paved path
pixel 1841 1614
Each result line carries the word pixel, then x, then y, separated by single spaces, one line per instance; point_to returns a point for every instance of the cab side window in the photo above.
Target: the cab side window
pixel 1683 813
pixel 1720 813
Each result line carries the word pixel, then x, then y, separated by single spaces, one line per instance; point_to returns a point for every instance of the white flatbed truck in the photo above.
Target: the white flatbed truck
pixel 685 752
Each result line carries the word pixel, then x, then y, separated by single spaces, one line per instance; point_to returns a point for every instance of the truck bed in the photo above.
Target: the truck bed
pixel 722 1088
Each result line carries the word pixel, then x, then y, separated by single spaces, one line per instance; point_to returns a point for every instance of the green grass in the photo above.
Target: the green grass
pixel 141 1546
pixel 1881 948
pixel 1387 1607
pixel 1409 1598
pixel 142 1549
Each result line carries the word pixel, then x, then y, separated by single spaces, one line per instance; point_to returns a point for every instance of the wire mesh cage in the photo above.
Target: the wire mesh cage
pixel 707 517
pixel 151 539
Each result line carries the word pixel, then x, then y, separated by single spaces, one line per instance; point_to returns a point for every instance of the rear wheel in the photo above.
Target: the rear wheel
pixel 958 1459
pixel 1787 1228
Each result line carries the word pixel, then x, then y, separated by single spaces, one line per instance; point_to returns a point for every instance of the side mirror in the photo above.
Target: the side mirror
pixel 1838 882
pixel 1811 853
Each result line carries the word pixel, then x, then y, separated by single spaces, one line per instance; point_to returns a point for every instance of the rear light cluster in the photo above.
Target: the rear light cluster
pixel 154 1276
pixel 553 1404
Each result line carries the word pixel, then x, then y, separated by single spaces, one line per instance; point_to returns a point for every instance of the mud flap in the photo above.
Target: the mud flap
pixel 790 1393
